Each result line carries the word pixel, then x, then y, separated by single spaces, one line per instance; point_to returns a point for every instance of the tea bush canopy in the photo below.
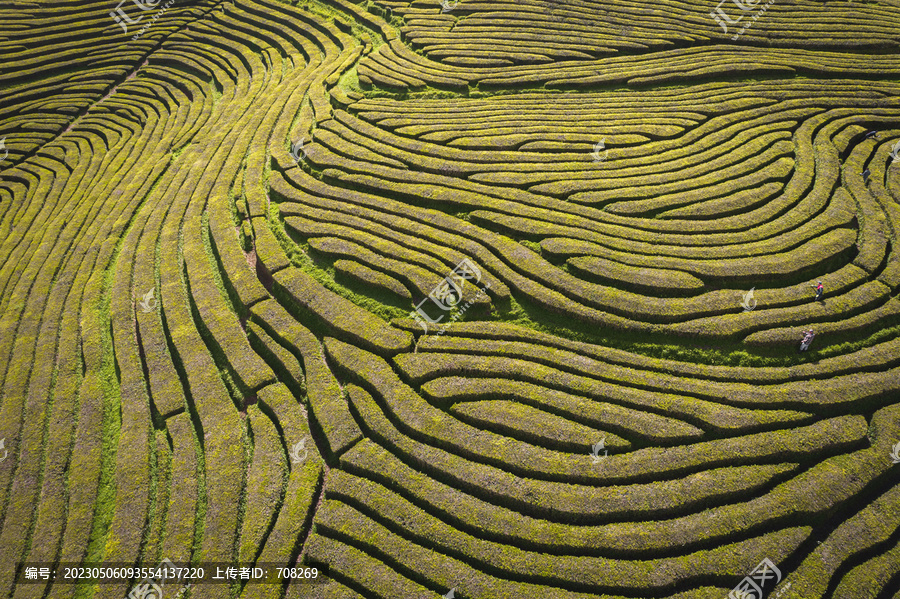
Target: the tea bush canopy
pixel 450 298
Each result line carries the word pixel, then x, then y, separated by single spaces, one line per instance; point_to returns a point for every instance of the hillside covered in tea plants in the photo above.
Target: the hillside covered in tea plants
pixel 451 298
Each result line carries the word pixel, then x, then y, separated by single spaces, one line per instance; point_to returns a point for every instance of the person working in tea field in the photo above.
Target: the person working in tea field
pixel 807 339
pixel 820 291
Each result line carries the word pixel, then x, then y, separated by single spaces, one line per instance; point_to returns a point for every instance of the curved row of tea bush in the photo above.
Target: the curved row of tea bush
pixel 206 350
pixel 812 235
pixel 168 433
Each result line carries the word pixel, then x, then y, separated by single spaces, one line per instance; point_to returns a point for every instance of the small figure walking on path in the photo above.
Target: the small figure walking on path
pixel 807 339
pixel 820 291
